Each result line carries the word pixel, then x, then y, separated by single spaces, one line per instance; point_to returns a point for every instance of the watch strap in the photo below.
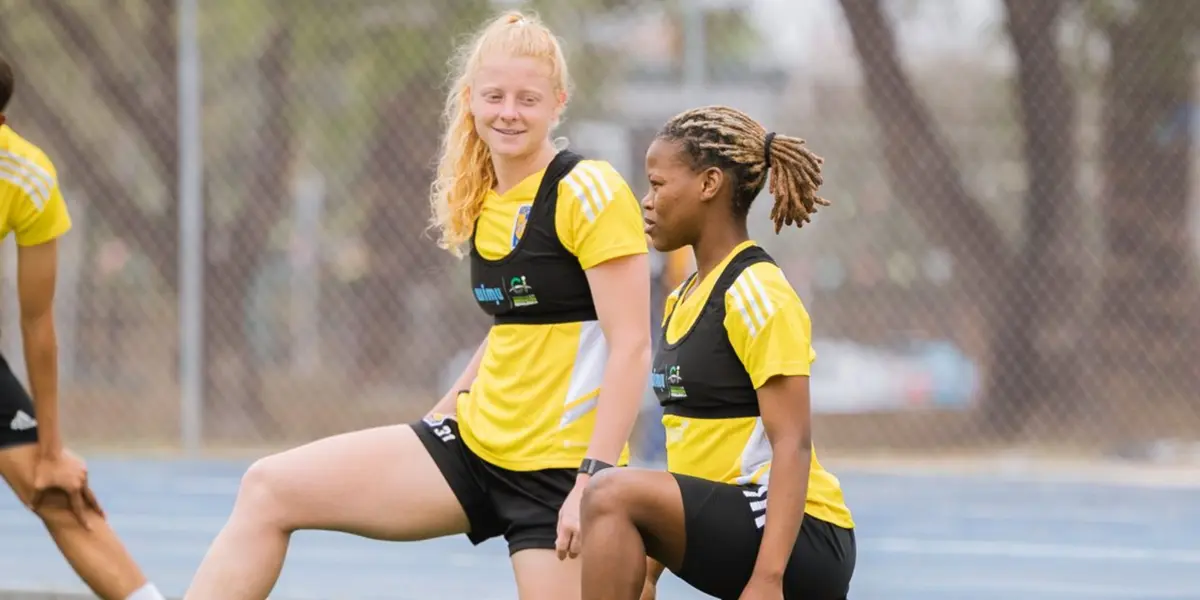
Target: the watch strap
pixel 591 466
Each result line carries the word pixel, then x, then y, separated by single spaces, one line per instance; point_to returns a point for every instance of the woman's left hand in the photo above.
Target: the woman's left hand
pixel 569 542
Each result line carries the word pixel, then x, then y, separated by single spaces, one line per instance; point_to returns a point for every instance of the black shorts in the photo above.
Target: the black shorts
pixel 522 506
pixel 724 529
pixel 18 425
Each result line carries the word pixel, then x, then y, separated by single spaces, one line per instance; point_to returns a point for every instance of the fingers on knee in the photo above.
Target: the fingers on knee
pixel 607 492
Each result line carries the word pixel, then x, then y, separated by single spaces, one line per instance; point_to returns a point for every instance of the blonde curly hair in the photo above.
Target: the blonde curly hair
pixel 464 169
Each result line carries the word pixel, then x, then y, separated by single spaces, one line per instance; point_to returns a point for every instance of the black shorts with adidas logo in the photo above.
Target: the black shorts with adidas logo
pixel 724 528
pixel 18 425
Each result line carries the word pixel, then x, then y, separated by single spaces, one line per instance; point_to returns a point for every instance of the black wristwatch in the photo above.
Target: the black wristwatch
pixel 591 466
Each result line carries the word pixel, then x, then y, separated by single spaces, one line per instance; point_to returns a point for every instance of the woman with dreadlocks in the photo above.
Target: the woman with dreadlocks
pixel 732 375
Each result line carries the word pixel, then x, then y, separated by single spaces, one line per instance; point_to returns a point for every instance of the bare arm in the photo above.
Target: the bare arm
pixel 36 275
pixel 784 404
pixel 621 292
pixel 449 403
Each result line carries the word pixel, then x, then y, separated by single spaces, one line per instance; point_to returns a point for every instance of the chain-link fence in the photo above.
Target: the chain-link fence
pixel 1009 258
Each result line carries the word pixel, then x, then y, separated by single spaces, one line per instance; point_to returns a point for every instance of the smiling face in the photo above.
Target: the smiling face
pixel 515 104
pixel 679 196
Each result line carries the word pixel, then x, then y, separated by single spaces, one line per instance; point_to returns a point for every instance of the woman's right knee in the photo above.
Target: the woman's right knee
pixel 263 493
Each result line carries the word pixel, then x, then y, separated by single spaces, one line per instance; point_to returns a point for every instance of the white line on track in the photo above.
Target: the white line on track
pixel 1003 549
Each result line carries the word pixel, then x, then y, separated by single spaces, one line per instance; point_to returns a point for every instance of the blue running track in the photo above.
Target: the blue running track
pixel 922 537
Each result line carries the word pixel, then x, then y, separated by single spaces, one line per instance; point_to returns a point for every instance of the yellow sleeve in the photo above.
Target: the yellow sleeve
pixel 768 325
pixel 671 302
pixel 38 213
pixel 598 217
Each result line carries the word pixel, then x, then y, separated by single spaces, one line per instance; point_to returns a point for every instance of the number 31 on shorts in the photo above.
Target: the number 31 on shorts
pixel 438 423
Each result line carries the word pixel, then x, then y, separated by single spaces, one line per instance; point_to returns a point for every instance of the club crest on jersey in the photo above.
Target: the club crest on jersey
pixel 520 222
pixel 669 381
pixel 521 292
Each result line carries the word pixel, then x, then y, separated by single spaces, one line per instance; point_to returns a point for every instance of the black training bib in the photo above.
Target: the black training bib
pixel 700 375
pixel 539 282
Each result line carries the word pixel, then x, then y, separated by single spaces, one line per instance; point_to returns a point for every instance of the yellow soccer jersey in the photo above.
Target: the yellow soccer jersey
pixel 770 332
pixel 532 404
pixel 31 204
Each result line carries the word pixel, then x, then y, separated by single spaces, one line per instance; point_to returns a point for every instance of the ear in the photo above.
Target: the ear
pixel 561 107
pixel 711 181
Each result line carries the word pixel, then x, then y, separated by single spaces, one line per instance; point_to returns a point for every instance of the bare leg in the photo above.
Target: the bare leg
pixel 378 483
pixel 629 514
pixel 541 576
pixel 97 555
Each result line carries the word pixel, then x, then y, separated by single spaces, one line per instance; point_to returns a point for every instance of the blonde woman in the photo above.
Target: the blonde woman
pixel 559 260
